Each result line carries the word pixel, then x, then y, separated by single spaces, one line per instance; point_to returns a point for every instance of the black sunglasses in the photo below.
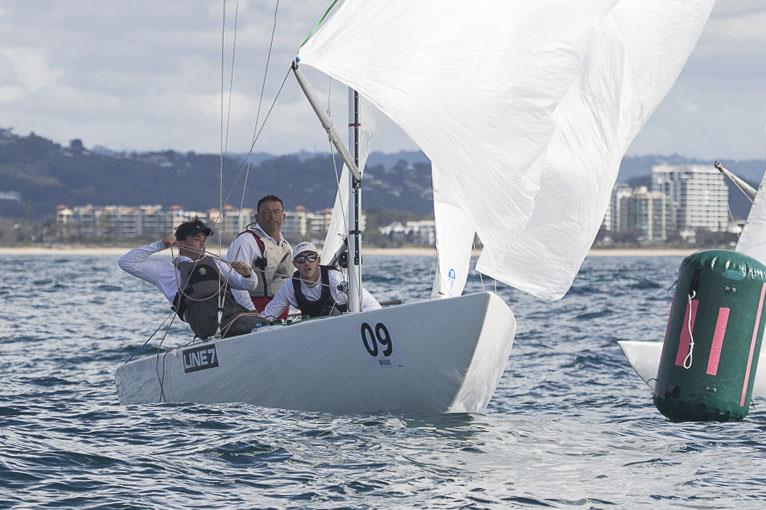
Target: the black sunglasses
pixel 300 259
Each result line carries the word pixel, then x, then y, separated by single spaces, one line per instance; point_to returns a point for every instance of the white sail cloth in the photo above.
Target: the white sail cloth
pixel 752 241
pixel 342 214
pixel 525 108
pixel 454 240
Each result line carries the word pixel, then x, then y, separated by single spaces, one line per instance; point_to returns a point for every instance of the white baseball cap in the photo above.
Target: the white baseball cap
pixel 304 247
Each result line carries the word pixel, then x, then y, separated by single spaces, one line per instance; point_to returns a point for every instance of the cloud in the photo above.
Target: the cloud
pixel 146 75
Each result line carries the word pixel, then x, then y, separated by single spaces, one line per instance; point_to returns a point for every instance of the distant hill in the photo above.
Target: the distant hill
pixel 37 174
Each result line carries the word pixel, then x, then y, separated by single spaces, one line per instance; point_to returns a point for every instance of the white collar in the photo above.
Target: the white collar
pixel 260 229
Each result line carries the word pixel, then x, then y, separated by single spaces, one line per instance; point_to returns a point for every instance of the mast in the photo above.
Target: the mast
pixel 355 211
pixel 354 234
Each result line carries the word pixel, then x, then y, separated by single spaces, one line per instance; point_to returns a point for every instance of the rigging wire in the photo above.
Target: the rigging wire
pixel 246 164
pixel 260 101
pixel 225 143
pixel 231 81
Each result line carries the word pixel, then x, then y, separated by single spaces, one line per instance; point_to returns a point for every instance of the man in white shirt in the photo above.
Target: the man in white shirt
pixel 314 289
pixel 266 251
pixel 193 281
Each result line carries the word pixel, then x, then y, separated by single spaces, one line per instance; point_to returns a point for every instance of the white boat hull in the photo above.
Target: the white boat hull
pixel 644 357
pixel 445 355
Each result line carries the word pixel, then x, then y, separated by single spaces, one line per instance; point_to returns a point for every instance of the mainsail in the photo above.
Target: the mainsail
pixel 525 108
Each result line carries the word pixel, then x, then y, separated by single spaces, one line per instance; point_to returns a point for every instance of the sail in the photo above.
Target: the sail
pixel 752 241
pixel 336 232
pixel 525 108
pixel 454 241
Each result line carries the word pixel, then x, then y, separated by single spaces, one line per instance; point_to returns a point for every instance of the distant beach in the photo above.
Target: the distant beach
pixel 398 252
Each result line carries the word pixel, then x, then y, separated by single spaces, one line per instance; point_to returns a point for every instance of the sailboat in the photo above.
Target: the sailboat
pixel 644 356
pixel 525 109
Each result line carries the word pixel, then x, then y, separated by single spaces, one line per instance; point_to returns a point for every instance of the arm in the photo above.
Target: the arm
pixel 281 300
pixel 244 249
pixel 368 301
pixel 137 262
pixel 235 272
pixel 341 297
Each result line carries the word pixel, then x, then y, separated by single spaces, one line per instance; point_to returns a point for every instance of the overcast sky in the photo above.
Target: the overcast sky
pixel 146 75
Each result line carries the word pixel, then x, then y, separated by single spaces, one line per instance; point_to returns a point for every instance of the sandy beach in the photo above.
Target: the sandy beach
pixel 398 252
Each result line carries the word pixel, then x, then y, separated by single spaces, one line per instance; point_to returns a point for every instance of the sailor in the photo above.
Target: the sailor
pixel 193 281
pixel 266 251
pixel 314 289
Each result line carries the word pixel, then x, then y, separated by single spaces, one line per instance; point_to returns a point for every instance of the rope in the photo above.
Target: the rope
pixel 150 336
pixel 161 377
pixel 260 103
pixel 247 164
pixel 689 357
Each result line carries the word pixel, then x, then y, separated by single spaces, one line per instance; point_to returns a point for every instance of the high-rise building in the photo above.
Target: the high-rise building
pixel 612 217
pixel 645 215
pixel 699 198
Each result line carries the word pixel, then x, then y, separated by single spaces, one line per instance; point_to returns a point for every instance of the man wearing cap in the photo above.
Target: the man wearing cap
pixel 193 281
pixel 266 251
pixel 314 289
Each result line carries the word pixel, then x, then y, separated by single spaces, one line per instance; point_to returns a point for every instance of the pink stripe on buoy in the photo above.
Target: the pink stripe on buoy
pixel 718 335
pixel 685 340
pixel 752 346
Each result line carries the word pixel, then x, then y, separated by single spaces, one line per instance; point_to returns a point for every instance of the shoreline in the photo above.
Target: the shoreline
pixel 405 251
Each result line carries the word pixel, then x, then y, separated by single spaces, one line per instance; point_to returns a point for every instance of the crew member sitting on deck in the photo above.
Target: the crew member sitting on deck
pixel 193 281
pixel 314 289
pixel 267 252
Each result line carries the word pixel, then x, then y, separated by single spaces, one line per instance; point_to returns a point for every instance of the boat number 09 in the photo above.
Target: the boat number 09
pixel 374 340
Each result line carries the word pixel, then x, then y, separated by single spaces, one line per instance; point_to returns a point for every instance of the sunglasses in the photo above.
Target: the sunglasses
pixel 300 259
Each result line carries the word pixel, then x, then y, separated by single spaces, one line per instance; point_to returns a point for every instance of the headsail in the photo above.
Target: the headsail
pixel 337 230
pixel 525 108
pixel 752 241
pixel 454 240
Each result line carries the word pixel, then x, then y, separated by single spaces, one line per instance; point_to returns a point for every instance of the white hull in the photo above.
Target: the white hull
pixel 446 356
pixel 644 357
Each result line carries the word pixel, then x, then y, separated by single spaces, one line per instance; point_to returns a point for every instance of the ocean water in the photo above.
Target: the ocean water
pixel 570 425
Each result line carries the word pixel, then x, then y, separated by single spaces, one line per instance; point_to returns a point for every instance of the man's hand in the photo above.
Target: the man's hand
pixel 242 268
pixel 169 240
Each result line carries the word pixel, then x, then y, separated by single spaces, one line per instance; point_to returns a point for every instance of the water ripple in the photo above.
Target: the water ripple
pixel 570 425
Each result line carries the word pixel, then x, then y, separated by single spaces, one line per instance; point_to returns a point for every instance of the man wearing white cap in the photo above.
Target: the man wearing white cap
pixel 313 289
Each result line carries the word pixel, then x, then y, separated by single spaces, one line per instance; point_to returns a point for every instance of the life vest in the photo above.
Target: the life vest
pixel 323 306
pixel 278 264
pixel 197 301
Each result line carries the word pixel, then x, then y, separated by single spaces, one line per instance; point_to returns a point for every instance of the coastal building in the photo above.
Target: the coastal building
pixel 612 217
pixel 421 232
pixel 699 198
pixel 301 224
pixel 645 216
pixel 119 222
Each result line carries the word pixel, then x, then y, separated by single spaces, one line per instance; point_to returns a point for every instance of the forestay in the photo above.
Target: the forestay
pixel 525 108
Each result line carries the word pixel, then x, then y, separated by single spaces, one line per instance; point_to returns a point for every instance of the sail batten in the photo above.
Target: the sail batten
pixel 525 108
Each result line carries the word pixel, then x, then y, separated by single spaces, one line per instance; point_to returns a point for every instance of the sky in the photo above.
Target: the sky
pixel 146 75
